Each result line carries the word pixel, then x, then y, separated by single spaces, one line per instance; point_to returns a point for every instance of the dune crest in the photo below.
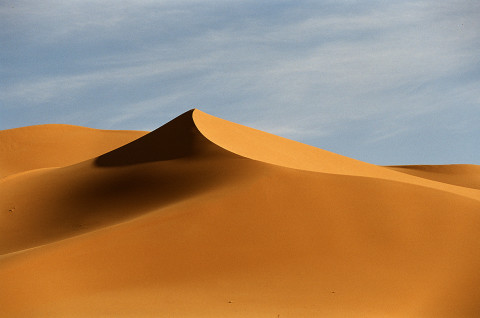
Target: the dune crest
pixel 177 139
pixel 258 145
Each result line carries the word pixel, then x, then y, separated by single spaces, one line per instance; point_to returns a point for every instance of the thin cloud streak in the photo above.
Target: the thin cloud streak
pixel 306 66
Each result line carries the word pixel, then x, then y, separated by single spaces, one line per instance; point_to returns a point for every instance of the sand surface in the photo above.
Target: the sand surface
pixel 207 218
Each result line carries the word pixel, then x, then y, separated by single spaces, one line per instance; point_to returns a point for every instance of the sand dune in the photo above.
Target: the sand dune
pixel 45 146
pixel 461 175
pixel 206 218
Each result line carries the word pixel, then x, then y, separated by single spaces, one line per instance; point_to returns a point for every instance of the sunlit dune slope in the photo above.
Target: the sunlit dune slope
pixel 461 175
pixel 45 146
pixel 262 146
pixel 198 219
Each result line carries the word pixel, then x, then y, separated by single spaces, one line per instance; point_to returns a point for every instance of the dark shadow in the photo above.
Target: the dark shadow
pixel 173 140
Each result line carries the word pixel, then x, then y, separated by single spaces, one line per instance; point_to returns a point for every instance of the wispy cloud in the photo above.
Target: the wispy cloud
pixel 313 68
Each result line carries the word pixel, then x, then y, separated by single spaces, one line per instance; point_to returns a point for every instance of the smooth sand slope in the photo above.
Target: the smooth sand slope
pixel 206 218
pixel 47 146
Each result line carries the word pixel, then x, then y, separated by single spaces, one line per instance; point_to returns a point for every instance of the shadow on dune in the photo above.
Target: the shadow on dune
pixel 175 139
pixel 171 164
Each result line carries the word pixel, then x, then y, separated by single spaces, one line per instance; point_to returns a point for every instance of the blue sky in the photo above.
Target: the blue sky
pixel 387 82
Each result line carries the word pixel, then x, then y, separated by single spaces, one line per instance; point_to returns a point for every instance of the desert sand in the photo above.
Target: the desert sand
pixel 207 218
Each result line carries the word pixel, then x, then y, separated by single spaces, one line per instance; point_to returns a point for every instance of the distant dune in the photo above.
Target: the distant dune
pixel 47 146
pixel 207 218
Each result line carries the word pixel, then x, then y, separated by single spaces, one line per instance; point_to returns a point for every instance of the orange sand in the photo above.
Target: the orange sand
pixel 206 218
